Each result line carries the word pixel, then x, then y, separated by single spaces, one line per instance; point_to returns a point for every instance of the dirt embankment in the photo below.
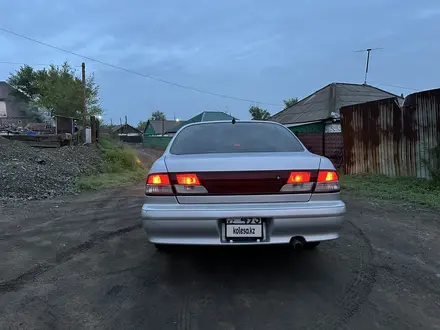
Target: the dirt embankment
pixel 28 173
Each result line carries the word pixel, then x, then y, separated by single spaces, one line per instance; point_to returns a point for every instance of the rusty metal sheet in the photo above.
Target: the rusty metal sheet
pixel 382 137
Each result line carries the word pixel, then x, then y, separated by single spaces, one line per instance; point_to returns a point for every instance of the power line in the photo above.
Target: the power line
pixel 135 72
pixel 395 86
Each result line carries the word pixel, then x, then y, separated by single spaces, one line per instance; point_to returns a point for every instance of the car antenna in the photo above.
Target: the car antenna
pixel 233 121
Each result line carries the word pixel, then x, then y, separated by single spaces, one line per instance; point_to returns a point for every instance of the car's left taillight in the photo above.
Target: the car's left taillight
pixel 189 184
pixel 158 184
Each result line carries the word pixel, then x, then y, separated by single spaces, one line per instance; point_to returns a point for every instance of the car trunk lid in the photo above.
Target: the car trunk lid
pixel 242 178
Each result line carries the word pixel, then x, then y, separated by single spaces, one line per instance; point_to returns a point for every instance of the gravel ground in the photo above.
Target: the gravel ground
pixel 28 173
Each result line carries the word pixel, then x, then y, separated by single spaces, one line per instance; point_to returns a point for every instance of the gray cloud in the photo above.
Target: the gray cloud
pixel 252 50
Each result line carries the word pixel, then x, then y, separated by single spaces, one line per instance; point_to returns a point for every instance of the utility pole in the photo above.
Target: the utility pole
pixel 83 74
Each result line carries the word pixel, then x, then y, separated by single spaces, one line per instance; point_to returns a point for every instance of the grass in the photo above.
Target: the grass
pixel 121 166
pixel 418 191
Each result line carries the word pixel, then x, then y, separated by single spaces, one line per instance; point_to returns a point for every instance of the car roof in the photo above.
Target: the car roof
pixel 230 121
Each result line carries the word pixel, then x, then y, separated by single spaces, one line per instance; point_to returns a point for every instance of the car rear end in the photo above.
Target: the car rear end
pixel 221 183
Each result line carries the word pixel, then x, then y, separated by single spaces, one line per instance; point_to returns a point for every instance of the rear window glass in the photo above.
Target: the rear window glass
pixel 232 138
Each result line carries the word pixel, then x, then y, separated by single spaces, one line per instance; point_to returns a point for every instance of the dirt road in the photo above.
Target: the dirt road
pixel 83 262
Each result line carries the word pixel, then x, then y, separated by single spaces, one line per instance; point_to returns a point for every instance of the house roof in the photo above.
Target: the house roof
pixel 159 124
pixel 203 116
pixel 321 104
pixel 117 128
pixel 5 89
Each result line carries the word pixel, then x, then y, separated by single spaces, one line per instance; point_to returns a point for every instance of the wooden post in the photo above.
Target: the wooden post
pixel 93 128
pixel 84 120
pixel 98 125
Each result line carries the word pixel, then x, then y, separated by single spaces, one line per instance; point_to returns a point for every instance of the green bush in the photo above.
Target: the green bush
pixel 118 158
pixel 121 165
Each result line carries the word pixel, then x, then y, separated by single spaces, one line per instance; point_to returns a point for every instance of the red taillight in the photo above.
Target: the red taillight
pixel 188 179
pixel 158 179
pixel 298 182
pixel 327 182
pixel 327 176
pixel 158 184
pixel 189 184
pixel 299 177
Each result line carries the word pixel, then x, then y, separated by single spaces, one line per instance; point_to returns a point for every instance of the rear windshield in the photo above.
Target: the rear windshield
pixel 232 138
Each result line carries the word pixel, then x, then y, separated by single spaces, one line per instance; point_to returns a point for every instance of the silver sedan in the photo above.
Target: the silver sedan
pixel 241 183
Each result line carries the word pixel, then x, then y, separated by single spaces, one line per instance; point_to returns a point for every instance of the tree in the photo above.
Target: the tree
pixel 24 82
pixel 290 102
pixel 258 113
pixel 158 115
pixel 141 125
pixel 56 90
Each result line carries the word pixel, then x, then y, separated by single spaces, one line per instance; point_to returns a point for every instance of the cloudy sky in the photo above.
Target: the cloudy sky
pixel 264 51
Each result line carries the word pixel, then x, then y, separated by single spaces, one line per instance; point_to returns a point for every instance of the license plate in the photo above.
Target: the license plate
pixel 244 228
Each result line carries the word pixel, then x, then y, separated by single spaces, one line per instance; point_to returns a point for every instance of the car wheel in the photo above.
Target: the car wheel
pixel 162 247
pixel 311 245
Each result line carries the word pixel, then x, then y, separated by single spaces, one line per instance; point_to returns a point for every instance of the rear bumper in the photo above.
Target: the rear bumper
pixel 203 224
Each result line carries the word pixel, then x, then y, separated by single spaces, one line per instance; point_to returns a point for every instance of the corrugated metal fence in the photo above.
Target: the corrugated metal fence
pixel 380 137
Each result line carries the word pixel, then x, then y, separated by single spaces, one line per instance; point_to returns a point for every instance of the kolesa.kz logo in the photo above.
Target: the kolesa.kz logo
pixel 239 230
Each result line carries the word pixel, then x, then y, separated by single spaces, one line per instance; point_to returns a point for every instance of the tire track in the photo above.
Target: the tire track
pixel 92 216
pixel 184 317
pixel 32 274
pixel 357 291
pixel 346 304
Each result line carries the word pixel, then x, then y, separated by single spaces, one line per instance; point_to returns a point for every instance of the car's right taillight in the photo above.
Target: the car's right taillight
pixel 158 184
pixel 327 182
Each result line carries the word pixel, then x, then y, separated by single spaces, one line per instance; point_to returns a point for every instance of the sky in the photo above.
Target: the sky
pixel 260 51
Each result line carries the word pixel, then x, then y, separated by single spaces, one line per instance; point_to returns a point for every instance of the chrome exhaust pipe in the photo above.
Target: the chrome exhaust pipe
pixel 296 243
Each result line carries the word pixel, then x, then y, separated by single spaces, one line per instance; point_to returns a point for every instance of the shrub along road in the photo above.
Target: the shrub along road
pixel 84 262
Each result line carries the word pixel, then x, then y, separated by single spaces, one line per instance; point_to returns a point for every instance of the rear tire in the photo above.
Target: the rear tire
pixel 311 245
